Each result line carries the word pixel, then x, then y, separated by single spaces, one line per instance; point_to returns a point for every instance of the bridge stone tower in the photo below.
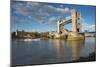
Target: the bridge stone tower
pixel 74 28
pixel 75 21
pixel 58 28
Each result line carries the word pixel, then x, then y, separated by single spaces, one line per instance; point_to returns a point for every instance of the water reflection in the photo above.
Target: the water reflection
pixel 76 47
pixel 60 50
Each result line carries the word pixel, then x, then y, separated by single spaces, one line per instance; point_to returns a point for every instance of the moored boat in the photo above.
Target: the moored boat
pixel 32 39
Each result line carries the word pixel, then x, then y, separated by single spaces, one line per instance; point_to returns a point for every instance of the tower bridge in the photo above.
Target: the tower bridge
pixel 75 20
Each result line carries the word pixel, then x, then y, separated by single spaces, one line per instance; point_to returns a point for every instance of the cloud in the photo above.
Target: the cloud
pixel 53 19
pixel 88 27
pixel 38 12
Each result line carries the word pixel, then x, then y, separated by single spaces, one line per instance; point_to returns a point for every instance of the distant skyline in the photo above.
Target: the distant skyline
pixel 42 17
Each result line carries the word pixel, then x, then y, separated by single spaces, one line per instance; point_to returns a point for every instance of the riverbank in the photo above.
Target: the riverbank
pixel 91 57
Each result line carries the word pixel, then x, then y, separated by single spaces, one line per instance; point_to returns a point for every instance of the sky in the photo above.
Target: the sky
pixel 42 17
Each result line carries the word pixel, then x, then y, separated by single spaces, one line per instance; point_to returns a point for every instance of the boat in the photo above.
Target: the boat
pixel 36 39
pixel 27 39
pixel 32 39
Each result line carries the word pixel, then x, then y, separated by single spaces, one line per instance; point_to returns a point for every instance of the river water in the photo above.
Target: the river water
pixel 50 51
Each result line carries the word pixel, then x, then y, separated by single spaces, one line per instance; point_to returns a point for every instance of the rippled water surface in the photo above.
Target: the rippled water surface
pixel 50 51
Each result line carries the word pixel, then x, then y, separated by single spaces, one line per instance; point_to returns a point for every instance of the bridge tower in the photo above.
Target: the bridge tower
pixel 58 28
pixel 74 28
pixel 78 22
pixel 75 21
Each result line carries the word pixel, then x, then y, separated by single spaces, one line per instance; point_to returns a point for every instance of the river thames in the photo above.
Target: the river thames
pixel 50 51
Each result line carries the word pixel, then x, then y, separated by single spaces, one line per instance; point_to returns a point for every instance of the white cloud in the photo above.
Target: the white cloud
pixel 38 12
pixel 88 27
pixel 53 19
